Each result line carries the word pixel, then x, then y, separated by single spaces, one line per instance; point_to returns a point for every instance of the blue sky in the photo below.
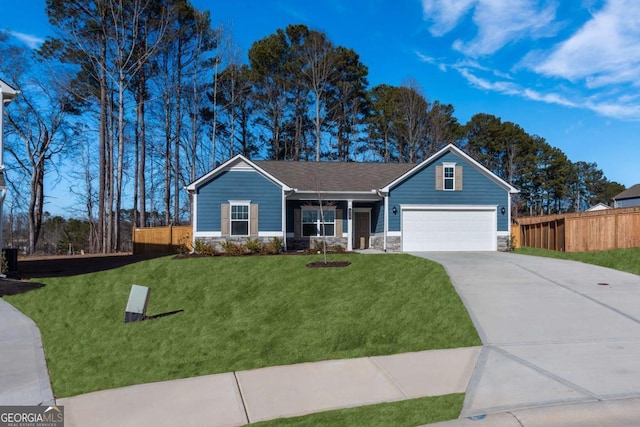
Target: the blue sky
pixel 568 71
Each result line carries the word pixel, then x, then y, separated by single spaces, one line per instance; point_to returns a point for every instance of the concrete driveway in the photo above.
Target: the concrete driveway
pixel 554 331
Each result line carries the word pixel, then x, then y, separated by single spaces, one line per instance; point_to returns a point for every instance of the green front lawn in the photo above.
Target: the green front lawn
pixel 618 259
pixel 240 313
pixel 409 413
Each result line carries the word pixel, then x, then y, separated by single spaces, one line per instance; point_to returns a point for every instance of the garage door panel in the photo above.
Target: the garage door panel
pixel 448 229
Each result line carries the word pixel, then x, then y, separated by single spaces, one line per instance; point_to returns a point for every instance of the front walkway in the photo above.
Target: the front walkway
pixel 24 379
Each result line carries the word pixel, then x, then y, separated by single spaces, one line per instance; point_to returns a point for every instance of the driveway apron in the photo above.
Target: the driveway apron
pixel 554 331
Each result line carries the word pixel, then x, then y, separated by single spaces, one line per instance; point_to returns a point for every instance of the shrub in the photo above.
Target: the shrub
pixel 233 248
pixel 183 247
pixel 273 247
pixel 204 248
pixel 254 245
pixel 338 249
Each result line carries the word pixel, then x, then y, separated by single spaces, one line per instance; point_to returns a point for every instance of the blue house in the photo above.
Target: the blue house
pixel 448 202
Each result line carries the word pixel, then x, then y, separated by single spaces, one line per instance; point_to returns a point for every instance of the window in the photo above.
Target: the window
pixel 312 224
pixel 449 177
pixel 240 220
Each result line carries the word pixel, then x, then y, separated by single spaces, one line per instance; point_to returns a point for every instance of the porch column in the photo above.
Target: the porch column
pixel 386 222
pixel 349 225
pixel 284 219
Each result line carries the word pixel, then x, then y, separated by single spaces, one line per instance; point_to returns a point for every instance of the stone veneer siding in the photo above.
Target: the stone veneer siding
pixel 302 243
pixel 216 242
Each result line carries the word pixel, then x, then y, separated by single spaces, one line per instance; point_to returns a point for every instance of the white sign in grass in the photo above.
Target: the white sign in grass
pixel 137 305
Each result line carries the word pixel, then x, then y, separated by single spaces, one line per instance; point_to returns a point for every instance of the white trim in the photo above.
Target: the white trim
pixel 368 196
pixel 445 166
pixel 350 213
pixel 283 223
pixel 206 234
pixel 367 211
pixel 319 220
pixel 449 207
pixel 229 165
pixel 459 152
pixel 194 226
pixel 385 229
pixel 233 203
pixel 503 234
pixel 270 233
pixel 394 233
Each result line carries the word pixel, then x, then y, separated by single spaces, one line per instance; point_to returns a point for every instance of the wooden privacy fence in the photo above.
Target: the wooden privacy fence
pixel 161 240
pixel 583 231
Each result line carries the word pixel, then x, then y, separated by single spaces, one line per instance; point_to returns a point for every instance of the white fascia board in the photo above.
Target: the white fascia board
pixel 335 195
pixel 449 207
pixel 226 165
pixel 207 234
pixel 270 234
pixel 8 93
pixel 460 153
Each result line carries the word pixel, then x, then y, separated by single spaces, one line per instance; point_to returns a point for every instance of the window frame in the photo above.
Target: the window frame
pixel 245 204
pixel 451 179
pixel 319 224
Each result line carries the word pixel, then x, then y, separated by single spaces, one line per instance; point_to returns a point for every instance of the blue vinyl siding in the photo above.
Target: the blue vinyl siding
pixel 627 203
pixel 240 185
pixel 477 189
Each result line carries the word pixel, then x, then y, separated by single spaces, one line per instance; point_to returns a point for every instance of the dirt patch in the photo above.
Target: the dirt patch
pixel 14 287
pixel 63 266
pixel 322 264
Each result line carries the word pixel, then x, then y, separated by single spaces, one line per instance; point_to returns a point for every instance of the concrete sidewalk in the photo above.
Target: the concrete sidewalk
pixel 237 398
pixel 24 379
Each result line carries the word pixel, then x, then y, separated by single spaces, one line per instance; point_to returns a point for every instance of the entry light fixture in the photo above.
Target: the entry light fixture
pixel 394 210
pixel 502 210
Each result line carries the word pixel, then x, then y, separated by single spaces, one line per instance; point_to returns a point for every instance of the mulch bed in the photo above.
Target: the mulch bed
pixel 321 264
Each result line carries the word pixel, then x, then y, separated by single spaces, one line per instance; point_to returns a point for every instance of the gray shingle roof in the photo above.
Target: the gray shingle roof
pixel 629 193
pixel 334 176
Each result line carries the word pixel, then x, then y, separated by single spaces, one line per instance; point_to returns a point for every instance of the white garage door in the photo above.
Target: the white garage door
pixel 449 228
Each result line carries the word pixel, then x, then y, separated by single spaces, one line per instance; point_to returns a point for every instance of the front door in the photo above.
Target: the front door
pixel 361 227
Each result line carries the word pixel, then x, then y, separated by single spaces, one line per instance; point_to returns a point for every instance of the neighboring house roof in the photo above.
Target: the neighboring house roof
pixel 598 207
pixel 629 193
pixel 335 176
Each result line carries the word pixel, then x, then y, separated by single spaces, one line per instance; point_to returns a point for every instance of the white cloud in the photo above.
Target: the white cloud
pixel 549 98
pixel 498 22
pixel 595 68
pixel 505 87
pixel 606 50
pixel 444 15
pixel 30 40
